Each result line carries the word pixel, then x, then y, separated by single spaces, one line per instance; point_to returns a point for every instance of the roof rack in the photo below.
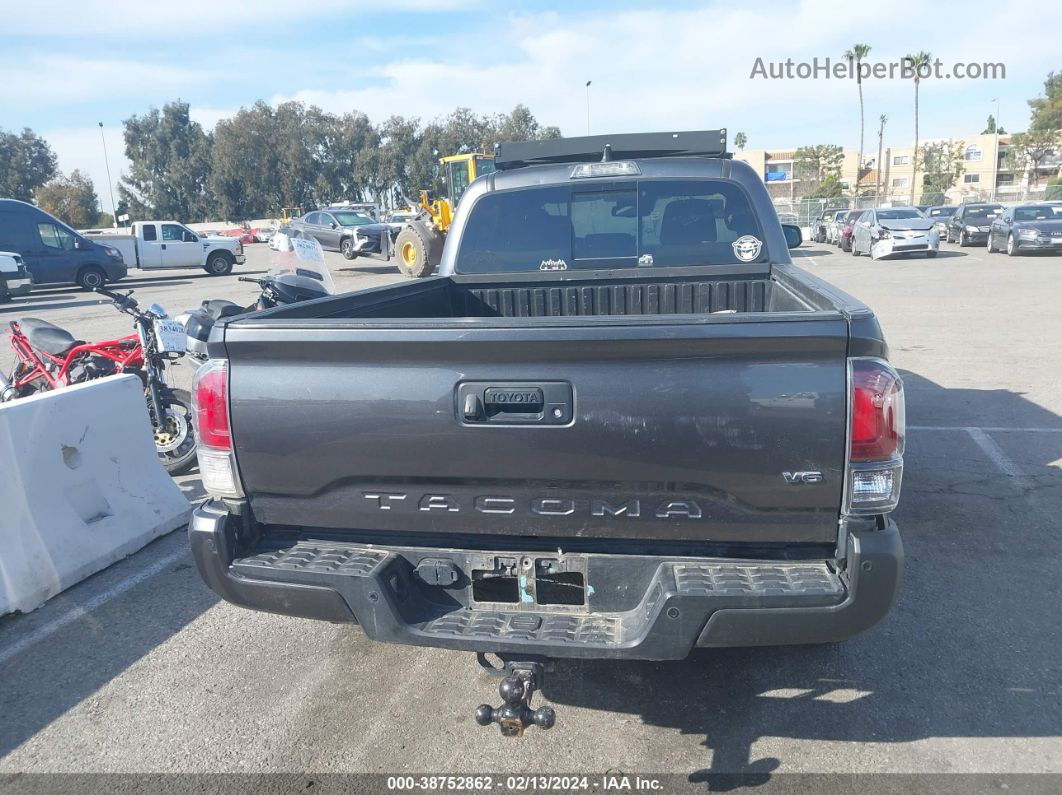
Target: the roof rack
pixel 625 146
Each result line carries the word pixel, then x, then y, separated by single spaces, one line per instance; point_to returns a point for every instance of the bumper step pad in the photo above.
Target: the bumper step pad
pixel 347 560
pixel 676 603
pixel 765 579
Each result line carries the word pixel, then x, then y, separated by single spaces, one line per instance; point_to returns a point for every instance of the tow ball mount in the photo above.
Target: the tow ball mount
pixel 520 680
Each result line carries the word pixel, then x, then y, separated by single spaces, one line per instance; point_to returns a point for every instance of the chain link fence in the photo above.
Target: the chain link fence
pixel 803 211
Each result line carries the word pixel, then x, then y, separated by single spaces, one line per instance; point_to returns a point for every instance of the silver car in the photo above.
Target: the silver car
pixel 894 230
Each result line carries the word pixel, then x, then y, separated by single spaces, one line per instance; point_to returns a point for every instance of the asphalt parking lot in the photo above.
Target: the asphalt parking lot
pixel 141 668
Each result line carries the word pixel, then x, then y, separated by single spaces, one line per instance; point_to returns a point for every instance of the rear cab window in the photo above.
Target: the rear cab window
pixel 149 232
pixel 609 225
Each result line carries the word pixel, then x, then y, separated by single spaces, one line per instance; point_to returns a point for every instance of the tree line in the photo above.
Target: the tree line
pixel 258 161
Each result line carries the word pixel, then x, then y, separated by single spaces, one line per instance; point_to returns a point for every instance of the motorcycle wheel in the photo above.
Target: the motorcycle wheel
pixel 175 441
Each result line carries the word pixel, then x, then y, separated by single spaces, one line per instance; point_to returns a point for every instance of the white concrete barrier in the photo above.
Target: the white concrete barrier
pixel 80 487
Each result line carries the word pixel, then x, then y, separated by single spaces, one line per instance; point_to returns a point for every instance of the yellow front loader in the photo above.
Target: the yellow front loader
pixel 420 243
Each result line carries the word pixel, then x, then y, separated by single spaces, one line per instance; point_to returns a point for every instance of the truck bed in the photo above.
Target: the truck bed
pixel 674 423
pixel 681 292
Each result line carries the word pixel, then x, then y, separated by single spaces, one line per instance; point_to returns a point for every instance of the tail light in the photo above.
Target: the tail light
pixel 876 437
pixel 210 408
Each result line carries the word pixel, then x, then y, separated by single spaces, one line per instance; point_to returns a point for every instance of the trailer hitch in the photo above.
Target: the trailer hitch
pixel 520 680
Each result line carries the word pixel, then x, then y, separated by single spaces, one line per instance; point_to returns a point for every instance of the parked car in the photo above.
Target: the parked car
pixel 971 222
pixel 14 278
pixel 894 230
pixel 709 502
pixel 819 226
pixel 160 245
pixel 263 234
pixel 351 233
pixel 400 218
pixel 245 236
pixel 940 215
pixel 278 237
pixel 54 253
pixel 371 209
pixel 1027 227
pixel 847 224
pixel 833 227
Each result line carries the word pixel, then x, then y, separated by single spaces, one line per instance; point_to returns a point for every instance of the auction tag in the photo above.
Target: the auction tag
pixel 170 336
pixel 307 249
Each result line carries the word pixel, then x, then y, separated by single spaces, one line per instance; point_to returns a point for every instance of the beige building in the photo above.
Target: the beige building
pixel 985 176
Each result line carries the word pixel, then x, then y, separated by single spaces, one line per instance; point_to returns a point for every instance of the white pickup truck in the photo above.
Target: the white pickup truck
pixel 157 245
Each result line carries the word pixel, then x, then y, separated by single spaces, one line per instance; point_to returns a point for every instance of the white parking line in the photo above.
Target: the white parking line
pixel 987 443
pixel 805 255
pixel 985 428
pixel 98 600
pixel 995 452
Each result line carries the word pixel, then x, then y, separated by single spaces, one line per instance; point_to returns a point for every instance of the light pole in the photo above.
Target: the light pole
pixel 588 82
pixel 995 161
pixel 110 185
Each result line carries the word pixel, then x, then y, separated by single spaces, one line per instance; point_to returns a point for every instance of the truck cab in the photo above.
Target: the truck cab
pixel 168 244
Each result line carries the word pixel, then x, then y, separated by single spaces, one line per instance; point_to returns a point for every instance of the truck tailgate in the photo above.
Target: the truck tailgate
pixel 720 430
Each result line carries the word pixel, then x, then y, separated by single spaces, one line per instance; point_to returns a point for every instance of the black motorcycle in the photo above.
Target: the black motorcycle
pixel 169 409
pixel 294 277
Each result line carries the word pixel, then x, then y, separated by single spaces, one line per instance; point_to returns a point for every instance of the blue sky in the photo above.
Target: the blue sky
pixel 68 64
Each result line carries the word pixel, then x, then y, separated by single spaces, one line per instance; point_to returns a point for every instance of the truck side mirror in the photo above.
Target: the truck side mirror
pixel 793 236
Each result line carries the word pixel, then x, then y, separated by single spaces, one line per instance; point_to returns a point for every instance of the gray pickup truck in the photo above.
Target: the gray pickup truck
pixel 619 423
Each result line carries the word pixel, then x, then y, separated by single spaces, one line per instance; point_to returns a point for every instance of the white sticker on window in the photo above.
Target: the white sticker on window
pixel 553 265
pixel 747 248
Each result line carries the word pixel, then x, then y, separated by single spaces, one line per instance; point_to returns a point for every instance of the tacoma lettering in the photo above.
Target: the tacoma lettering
pixel 630 508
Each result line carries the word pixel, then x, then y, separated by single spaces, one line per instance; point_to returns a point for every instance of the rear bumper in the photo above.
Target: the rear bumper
pixel 17 284
pixel 240 258
pixel 685 602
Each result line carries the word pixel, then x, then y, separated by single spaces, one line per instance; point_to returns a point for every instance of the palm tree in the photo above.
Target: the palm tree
pixel 917 62
pixel 741 140
pixel 855 56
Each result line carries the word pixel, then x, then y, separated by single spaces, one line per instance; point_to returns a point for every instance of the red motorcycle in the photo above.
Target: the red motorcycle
pixel 49 357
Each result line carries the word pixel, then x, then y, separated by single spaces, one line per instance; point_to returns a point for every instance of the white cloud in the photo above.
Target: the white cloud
pixel 55 79
pixel 208 118
pixel 683 69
